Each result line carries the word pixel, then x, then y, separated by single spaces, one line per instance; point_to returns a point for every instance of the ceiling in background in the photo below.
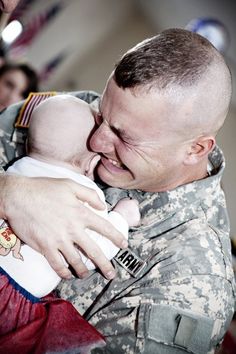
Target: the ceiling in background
pixel 178 13
pixel 83 25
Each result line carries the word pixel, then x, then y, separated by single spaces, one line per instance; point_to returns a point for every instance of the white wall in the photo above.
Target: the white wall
pixel 226 140
pixel 91 71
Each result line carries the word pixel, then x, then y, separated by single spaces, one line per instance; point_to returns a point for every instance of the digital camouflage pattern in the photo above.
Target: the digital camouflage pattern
pixel 182 299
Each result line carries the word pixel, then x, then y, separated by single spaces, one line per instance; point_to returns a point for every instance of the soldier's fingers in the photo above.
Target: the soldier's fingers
pixel 105 228
pixel 88 195
pixel 58 264
pixel 95 254
pixel 72 256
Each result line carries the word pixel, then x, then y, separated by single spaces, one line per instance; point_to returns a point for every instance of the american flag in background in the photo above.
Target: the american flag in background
pixel 32 29
pixel 21 9
pixel 49 68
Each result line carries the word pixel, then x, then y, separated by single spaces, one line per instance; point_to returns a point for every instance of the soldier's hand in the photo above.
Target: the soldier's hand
pixel 48 214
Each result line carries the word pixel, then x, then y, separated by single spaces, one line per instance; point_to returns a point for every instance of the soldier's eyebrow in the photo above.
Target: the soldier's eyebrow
pixel 121 133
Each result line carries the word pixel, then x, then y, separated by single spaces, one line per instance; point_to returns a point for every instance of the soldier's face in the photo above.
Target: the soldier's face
pixel 8 5
pixel 139 147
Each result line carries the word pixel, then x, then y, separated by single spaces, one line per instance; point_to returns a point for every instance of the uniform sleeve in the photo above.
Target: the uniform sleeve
pixel 169 318
pixel 159 328
pixel 164 330
pixel 7 144
pixel 168 329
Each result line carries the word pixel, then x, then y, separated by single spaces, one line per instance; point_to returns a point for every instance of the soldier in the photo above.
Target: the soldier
pixel 157 121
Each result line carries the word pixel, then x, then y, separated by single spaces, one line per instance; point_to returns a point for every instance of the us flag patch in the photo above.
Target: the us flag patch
pixel 30 103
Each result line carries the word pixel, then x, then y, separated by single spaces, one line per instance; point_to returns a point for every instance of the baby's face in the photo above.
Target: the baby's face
pixel 87 159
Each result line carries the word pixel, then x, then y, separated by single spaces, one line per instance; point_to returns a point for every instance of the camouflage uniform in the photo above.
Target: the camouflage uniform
pixel 174 289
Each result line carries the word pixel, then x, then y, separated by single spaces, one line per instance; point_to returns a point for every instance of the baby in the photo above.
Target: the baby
pixel 57 147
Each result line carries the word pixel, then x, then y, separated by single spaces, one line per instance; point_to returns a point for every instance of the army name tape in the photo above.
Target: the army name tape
pixel 130 262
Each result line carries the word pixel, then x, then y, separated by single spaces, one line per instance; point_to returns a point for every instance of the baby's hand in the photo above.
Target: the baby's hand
pixel 129 209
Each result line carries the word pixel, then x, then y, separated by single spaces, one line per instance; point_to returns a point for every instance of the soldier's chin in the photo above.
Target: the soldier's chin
pixel 108 178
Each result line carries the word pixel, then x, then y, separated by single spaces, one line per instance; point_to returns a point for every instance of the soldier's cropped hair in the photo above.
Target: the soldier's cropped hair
pixel 175 56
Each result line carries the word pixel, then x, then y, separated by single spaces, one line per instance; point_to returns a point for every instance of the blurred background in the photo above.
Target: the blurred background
pixel 73 45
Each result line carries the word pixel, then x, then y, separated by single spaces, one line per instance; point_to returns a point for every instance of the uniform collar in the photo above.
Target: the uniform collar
pixel 157 207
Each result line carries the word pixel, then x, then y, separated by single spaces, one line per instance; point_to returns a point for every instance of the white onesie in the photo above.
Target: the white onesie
pixel 31 270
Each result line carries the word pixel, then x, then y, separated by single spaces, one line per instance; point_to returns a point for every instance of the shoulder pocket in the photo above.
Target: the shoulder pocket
pixel 166 329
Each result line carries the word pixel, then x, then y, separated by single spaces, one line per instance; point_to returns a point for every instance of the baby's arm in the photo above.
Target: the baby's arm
pixel 124 215
pixel 129 209
pixel 31 270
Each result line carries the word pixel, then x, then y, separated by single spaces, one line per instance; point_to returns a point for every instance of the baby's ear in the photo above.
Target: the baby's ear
pixel 199 149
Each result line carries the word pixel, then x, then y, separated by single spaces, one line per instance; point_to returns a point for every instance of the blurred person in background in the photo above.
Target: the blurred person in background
pixel 16 82
pixel 8 5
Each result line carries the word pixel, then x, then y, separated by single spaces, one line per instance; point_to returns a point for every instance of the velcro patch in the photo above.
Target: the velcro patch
pixel 185 330
pixel 34 98
pixel 179 328
pixel 130 262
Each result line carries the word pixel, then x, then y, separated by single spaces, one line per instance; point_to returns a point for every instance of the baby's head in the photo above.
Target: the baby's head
pixel 59 130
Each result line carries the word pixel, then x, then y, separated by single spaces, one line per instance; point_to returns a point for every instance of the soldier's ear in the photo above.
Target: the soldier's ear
pixel 199 149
